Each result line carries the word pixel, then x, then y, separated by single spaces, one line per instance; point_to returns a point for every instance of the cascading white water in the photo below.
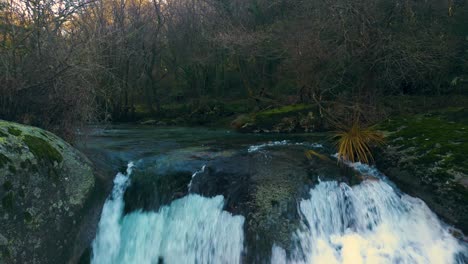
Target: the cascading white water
pixel 108 238
pixel 369 223
pixel 193 229
pixel 189 186
pixel 255 148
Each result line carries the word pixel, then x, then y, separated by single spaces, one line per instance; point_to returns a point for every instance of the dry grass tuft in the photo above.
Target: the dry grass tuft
pixel 354 144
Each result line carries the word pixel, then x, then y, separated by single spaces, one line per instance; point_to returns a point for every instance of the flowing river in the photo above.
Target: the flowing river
pixel 192 195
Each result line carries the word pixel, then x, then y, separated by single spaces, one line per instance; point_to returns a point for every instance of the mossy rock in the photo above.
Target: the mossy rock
pixel 14 131
pixel 3 134
pixel 273 116
pixel 42 150
pixel 4 160
pixel 44 185
pixel 426 156
pixel 291 118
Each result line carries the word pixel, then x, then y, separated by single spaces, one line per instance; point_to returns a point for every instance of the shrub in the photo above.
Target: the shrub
pixel 354 144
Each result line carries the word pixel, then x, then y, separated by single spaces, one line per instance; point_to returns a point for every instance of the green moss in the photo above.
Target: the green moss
pixel 42 150
pixel 3 160
pixel 8 200
pixel 435 141
pixel 271 117
pixel 286 109
pixel 28 217
pixel 12 169
pixel 239 106
pixel 5 253
pixel 2 134
pixel 7 185
pixel 14 131
pixel 43 134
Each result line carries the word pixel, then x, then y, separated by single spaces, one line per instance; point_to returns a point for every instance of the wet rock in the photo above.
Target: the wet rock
pixel 149 191
pixel 243 123
pixel 265 187
pixel 44 184
pixel 158 181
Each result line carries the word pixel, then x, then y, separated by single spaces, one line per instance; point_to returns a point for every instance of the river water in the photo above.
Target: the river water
pixel 335 220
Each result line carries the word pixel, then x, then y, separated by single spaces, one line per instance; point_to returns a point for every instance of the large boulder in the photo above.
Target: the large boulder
pixel 426 157
pixel 44 185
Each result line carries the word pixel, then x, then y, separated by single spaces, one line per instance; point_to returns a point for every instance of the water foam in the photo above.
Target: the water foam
pixel 193 229
pixel 369 223
pixel 255 148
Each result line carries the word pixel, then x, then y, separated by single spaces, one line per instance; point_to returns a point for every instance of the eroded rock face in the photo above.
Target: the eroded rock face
pixel 426 156
pixel 44 185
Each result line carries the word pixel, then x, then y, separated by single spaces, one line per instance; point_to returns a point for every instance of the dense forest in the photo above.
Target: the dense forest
pixel 64 63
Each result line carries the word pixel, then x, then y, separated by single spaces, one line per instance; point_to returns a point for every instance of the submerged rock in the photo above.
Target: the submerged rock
pixel 426 157
pixel 44 185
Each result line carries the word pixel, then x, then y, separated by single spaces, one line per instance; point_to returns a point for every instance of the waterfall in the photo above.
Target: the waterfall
pixel 369 223
pixel 108 238
pixel 365 224
pixel 192 229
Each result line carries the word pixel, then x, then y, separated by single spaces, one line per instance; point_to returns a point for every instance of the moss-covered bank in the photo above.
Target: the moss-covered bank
pixel 286 119
pixel 426 157
pixel 44 184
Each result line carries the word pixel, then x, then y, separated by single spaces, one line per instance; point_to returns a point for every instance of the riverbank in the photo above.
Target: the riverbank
pixel 246 116
pixel 425 155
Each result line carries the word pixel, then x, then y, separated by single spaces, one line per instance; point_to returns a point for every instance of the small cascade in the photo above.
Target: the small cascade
pixel 192 229
pixel 194 175
pixel 369 223
pixel 108 237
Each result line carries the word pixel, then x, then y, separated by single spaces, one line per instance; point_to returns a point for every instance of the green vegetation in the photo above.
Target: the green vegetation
pixel 426 156
pixel 14 131
pixel 8 200
pixel 7 185
pixel 3 135
pixel 437 138
pixel 42 150
pixel 12 169
pixel 3 160
pixel 273 116
pixel 354 144
pixel 28 218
